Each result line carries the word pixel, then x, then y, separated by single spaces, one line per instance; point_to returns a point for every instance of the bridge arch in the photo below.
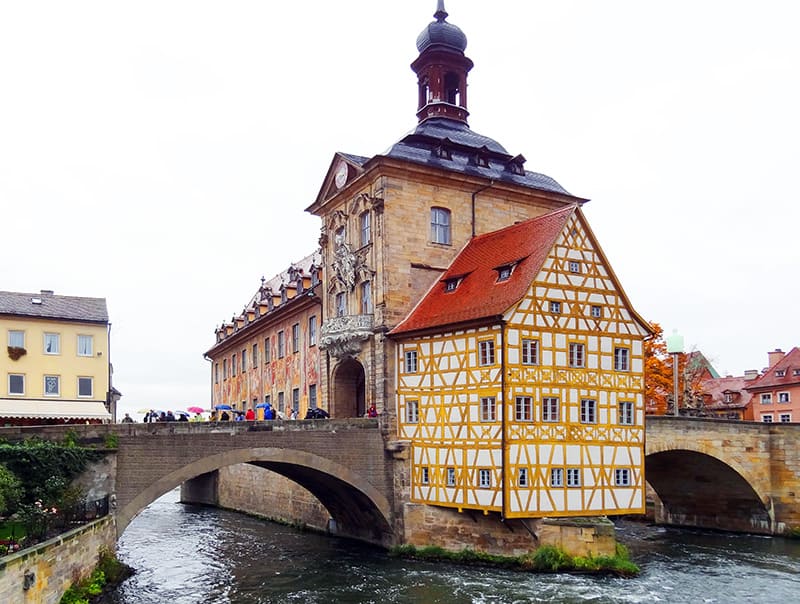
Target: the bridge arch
pixel 698 488
pixel 360 510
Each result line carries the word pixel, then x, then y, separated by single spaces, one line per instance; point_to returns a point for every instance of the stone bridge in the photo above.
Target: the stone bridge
pixel 341 462
pixel 724 474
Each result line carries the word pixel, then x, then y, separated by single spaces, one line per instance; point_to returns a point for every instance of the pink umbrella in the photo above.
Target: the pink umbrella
pixel 195 409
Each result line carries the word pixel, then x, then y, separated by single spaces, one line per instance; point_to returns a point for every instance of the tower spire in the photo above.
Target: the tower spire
pixel 440 14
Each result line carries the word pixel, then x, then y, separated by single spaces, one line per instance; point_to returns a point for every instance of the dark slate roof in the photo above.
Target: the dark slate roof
pixel 432 141
pixel 356 159
pixel 70 308
pixel 442 32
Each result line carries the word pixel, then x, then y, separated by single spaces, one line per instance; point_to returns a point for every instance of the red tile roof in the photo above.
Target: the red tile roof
pixel 479 295
pixel 770 378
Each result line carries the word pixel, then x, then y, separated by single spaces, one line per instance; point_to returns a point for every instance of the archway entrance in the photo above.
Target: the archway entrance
pixel 349 396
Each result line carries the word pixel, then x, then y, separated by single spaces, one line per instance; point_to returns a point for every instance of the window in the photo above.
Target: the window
pixel 365 228
pixel 550 409
pixel 216 373
pixel 574 266
pixel 783 397
pixel 426 475
pixel 573 477
pixel 522 477
pixel 451 477
pixel 296 337
pixel 225 369
pixel 281 402
pixel 484 478
pixel 597 311
pixel 16 338
pixel 621 359
pixel 486 352
pixel 786 418
pixel 85 386
pixel 295 399
pixel 366 298
pixel 522 409
pixel 52 385
pixel 588 411
pixel 557 477
pixel 766 399
pixel 796 371
pixel 555 307
pixel 16 383
pixel 411 361
pixel 312 331
pixel 412 412
pixel 281 345
pixel 450 285
pixel 622 477
pixel 85 346
pixel 255 355
pixel 341 304
pixel 244 360
pixel 530 352
pixel 488 409
pixel 626 413
pixel 727 397
pixel 576 355
pixel 766 418
pixel 267 351
pixel 780 373
pixel 312 396
pixel 440 225
pixel 234 366
pixel 52 343
pixel 504 273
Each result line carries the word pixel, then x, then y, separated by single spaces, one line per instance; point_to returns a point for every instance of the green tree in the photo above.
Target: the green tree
pixel 11 490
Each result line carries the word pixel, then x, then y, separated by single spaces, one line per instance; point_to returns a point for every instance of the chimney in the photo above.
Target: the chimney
pixel 750 374
pixel 46 292
pixel 775 356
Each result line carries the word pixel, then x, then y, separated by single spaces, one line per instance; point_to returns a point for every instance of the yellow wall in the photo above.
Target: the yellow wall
pixel 67 364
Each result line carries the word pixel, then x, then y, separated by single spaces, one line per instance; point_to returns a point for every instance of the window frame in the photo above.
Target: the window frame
pixel 596 311
pixel 255 355
pixel 312 331
pixel 550 409
pixel 312 396
pixel 85 338
pixel 441 229
pixel 412 411
pixel 281 344
pixel 529 351
pixel 244 360
pixel 451 477
pixel 296 399
pixel 411 361
pixel 488 410
pixel 573 478
pixel 365 227
pixel 766 398
pixel 14 332
pixel 486 356
pixel 622 358
pixel 589 411
pixel 425 475
pixel 295 338
pixel 557 477
pixel 622 477
pixel 788 419
pixel 523 478
pixel 555 307
pixel 625 411
pixel 766 418
pixel 340 304
pixel 91 386
pixel 57 379
pixel 484 478
pixel 523 408
pixel 8 384
pixel 366 297
pixel 784 396
pixel 574 267
pixel 267 350
pixel 576 355
pixel 57 340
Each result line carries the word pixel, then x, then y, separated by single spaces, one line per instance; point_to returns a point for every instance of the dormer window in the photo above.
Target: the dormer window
pixel 482 158
pixel 727 397
pixel 504 272
pixel 516 165
pixel 450 285
pixel 780 373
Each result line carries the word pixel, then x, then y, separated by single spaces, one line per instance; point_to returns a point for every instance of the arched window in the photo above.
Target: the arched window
pixel 452 92
pixel 440 225
pixel 424 92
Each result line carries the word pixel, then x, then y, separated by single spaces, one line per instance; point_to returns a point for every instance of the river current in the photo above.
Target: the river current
pixel 186 554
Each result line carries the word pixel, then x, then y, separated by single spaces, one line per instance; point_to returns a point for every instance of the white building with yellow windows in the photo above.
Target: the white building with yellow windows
pixel 56 367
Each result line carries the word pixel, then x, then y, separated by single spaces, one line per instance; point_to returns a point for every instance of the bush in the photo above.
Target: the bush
pixel 11 491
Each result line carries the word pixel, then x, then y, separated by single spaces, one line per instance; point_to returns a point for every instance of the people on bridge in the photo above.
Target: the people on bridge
pixel 196 418
pixel 183 417
pixel 224 417
pixel 250 415
pixel 170 417
pixel 127 419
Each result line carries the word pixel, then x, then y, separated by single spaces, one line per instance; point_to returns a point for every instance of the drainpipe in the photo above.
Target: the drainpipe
pixel 474 195
pixel 211 380
pixel 503 450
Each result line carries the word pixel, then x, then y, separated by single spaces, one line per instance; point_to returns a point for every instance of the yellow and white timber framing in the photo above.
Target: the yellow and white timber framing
pixel 516 460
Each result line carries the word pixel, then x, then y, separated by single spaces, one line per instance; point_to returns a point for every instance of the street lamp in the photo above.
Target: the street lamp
pixel 675 347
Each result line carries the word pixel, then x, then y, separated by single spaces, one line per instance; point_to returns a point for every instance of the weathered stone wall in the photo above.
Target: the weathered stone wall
pixel 248 488
pixel 55 564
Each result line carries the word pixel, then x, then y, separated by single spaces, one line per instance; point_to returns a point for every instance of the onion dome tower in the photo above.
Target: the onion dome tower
pixel 442 69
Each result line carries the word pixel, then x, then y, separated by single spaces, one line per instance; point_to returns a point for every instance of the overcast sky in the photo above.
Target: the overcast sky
pixel 160 154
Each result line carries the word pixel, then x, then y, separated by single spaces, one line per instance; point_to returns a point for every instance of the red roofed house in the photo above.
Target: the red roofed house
pixel 776 393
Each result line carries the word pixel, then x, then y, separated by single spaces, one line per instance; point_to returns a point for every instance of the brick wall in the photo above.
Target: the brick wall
pixel 55 564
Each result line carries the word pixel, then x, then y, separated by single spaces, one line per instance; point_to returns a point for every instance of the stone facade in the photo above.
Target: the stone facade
pixel 49 569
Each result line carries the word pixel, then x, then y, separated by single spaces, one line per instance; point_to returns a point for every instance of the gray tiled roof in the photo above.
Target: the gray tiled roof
pixel 71 308
pixel 463 145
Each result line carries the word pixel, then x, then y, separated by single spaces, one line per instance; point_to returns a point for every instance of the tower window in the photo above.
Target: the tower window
pixel 440 225
pixel 452 91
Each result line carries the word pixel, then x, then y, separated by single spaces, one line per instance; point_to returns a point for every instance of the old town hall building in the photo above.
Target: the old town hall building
pixel 467 298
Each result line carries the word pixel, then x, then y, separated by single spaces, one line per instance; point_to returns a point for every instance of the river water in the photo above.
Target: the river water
pixel 192 555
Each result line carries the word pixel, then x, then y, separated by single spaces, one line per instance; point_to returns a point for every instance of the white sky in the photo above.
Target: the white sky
pixel 160 154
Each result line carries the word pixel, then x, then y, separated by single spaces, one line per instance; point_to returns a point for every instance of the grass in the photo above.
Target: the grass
pixel 547 558
pixel 11 527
